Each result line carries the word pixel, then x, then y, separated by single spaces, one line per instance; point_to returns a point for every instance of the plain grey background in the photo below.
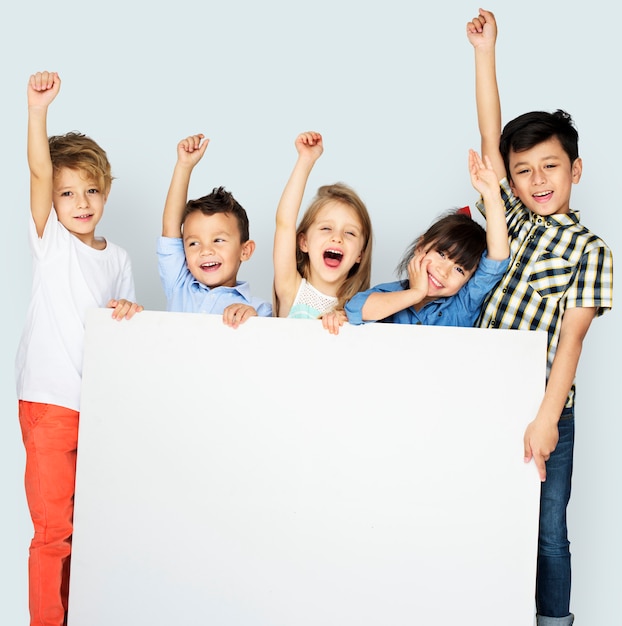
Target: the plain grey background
pixel 390 86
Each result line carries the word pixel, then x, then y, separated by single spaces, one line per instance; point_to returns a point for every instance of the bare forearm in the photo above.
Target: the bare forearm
pixel 380 305
pixel 40 165
pixel 563 372
pixel 575 325
pixel 497 244
pixel 291 198
pixel 176 201
pixel 39 160
pixel 488 107
pixel 487 96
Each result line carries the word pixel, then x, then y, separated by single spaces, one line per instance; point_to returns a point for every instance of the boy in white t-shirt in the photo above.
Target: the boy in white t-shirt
pixel 73 270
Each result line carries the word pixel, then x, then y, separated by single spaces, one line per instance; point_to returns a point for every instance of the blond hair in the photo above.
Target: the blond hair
pixel 359 277
pixel 76 151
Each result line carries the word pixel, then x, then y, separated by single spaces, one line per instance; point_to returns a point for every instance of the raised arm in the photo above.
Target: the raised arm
pixel 189 152
pixel 43 87
pixel 484 179
pixel 286 277
pixel 482 33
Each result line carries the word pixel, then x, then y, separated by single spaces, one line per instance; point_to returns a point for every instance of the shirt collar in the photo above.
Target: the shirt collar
pixel 556 220
pixel 241 287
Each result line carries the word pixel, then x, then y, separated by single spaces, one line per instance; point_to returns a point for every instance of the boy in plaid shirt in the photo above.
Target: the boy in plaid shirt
pixel 560 278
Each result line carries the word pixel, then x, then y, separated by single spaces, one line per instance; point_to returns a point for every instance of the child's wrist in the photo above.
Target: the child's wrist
pixel 492 197
pixel 38 108
pixel 417 295
pixel 485 46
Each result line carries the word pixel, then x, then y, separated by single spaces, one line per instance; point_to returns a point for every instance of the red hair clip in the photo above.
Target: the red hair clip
pixel 464 211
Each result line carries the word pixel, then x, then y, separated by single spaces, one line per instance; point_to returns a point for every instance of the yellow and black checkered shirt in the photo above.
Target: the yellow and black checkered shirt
pixel 556 264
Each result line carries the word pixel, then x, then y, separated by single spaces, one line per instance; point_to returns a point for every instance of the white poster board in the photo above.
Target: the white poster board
pixel 276 475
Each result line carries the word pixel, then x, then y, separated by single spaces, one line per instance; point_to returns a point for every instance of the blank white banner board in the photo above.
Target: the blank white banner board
pixel 276 475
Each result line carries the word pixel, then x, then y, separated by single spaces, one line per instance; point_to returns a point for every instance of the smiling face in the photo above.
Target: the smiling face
pixel 445 276
pixel 79 202
pixel 542 177
pixel 213 248
pixel 334 242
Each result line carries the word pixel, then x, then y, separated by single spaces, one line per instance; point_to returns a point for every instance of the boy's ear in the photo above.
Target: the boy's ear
pixel 577 170
pixel 248 247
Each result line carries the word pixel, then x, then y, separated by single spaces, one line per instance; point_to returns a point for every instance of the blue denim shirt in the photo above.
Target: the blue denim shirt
pixel 459 310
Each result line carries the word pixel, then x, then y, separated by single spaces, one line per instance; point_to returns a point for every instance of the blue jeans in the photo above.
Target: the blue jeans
pixel 553 577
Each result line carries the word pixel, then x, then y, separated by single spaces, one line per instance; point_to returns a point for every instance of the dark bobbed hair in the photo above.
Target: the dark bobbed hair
pixel 76 151
pixel 456 234
pixel 220 201
pixel 530 129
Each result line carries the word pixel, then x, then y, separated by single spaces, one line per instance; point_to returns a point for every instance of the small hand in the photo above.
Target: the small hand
pixel 483 177
pixel 333 320
pixel 124 309
pixel 43 87
pixel 190 150
pixel 540 441
pixel 482 29
pixel 310 145
pixel 236 314
pixel 418 273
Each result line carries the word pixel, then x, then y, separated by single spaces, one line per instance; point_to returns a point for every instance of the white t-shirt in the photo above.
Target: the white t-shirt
pixel 69 277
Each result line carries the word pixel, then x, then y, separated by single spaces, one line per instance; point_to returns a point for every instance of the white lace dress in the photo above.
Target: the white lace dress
pixel 310 304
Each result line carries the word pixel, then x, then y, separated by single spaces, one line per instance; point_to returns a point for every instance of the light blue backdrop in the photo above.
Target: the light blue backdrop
pixel 390 86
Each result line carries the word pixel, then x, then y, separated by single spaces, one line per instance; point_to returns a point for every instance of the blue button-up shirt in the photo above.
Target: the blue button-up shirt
pixel 185 294
pixel 461 309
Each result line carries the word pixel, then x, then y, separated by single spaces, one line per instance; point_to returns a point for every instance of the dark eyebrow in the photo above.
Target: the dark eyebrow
pixel 550 157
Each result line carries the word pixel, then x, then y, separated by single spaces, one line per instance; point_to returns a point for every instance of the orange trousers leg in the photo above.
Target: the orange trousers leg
pixel 50 435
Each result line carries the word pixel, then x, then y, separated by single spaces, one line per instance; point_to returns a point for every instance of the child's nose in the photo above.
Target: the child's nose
pixel 539 176
pixel 445 267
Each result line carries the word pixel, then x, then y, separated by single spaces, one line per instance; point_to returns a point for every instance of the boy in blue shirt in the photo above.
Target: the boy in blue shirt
pixel 203 244
pixel 560 278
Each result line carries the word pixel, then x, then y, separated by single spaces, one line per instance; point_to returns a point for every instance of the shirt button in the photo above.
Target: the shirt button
pixel 440 313
pixel 505 290
pixel 517 265
pixel 493 323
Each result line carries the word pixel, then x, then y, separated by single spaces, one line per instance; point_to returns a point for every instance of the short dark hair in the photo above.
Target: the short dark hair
pixel 530 129
pixel 457 234
pixel 220 201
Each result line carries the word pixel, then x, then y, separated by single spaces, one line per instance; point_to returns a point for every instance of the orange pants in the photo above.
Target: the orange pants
pixel 50 435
